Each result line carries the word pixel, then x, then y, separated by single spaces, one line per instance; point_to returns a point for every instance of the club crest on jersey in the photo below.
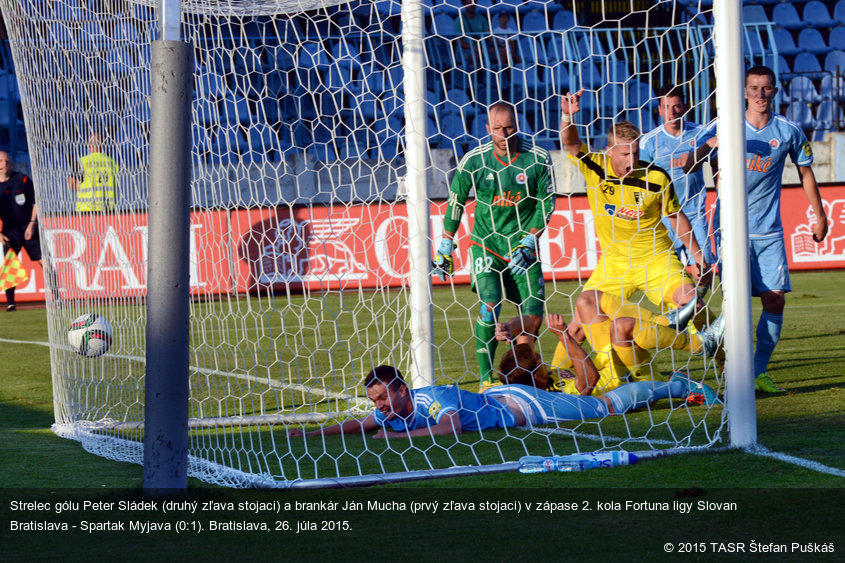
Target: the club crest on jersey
pixel 774 143
pixel 638 197
pixel 434 409
pixel 521 178
pixel 623 212
pixel 808 150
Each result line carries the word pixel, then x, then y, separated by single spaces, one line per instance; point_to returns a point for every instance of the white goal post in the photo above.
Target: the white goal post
pixel 323 138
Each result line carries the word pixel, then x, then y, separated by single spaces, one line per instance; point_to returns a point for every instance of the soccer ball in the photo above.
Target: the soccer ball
pixel 90 335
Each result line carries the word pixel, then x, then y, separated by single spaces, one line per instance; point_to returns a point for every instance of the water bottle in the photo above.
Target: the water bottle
pixel 575 462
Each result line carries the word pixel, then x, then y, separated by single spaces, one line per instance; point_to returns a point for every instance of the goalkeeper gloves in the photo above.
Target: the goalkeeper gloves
pixel 524 255
pixel 443 264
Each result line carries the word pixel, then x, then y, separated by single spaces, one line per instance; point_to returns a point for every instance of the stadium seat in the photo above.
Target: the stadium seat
pixel 642 118
pixel 802 89
pixel 125 30
pixel 235 109
pixel 206 111
pixel 785 15
pixel 535 21
pixel 807 64
pixel 827 120
pixel 640 95
pixel 832 87
pixel 810 40
pixel 835 62
pixel 443 25
pixel 564 20
pixel 801 114
pixel 839 12
pixel 611 99
pixel 785 43
pixel 836 40
pixel 449 7
pixel 754 14
pixel 817 15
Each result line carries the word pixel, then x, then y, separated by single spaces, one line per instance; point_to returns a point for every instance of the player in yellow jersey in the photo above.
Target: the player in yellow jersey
pixel 628 199
pixel 596 375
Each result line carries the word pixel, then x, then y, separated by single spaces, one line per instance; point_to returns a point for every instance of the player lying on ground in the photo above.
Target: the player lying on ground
pixel 447 409
pixel 522 365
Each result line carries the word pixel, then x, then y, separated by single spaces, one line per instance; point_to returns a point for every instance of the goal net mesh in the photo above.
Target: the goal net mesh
pixel 299 228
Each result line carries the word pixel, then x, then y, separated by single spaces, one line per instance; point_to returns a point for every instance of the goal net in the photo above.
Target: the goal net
pixel 299 253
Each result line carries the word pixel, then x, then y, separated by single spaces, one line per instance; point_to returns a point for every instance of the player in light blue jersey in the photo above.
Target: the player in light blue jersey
pixel 675 146
pixel 769 139
pixel 447 409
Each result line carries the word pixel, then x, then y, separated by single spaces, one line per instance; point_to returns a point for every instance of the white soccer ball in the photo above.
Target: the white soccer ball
pixel 90 335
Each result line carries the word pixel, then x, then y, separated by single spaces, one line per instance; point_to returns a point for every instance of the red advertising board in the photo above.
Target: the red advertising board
pixel 342 247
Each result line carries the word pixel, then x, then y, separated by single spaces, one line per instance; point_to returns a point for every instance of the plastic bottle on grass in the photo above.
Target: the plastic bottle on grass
pixel 575 462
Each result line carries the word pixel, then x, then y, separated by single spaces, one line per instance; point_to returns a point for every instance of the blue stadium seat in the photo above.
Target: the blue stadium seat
pixel 125 30
pixel 839 12
pixel 817 15
pixel 564 20
pixel 639 95
pixel 832 87
pixel 754 13
pixel 835 61
pixel 806 64
pixel 836 40
pixel 785 42
pixel 443 25
pixel 786 16
pixel 810 40
pixel 450 7
pixel 827 119
pixel 801 114
pixel 534 21
pixel 206 111
pixel 235 109
pixel 611 99
pixel 642 118
pixel 802 89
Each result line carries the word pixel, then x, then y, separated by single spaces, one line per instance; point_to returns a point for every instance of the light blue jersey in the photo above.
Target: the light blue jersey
pixel 765 158
pixel 670 152
pixel 476 411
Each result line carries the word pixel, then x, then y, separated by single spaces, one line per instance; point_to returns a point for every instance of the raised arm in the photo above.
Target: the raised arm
pixel 587 376
pixel 700 154
pixel 569 138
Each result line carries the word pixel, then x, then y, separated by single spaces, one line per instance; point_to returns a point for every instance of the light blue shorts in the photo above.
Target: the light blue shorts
pixel 769 267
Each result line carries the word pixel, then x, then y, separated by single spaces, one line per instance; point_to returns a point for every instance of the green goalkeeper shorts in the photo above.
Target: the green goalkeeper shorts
pixel 490 274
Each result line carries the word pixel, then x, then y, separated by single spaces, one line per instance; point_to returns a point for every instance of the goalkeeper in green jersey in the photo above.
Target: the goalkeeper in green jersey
pixel 514 194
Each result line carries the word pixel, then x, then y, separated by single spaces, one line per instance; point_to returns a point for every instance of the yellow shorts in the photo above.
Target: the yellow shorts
pixel 657 279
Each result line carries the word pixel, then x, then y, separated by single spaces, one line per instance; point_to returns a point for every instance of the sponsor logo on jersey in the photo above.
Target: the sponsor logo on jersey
pixel 623 212
pixel 680 160
pixel 489 177
pixel 774 143
pixel 507 199
pixel 522 178
pixel 758 164
pixel 434 409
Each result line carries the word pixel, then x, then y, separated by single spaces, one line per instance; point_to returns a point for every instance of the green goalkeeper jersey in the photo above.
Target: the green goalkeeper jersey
pixel 511 197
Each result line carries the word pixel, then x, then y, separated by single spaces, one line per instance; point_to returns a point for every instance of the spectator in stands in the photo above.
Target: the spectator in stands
pixel 514 200
pixel 677 146
pixel 19 215
pixel 629 199
pixel 471 26
pixel 507 47
pixel 769 139
pixel 95 183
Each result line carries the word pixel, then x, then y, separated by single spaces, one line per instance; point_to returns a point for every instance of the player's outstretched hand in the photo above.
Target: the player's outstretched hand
pixel 443 265
pixel 556 324
pixel 705 274
pixel 524 255
pixel 570 103
pixel 503 333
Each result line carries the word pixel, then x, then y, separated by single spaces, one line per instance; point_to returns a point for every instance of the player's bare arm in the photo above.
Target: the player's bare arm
pixel 587 376
pixel 699 155
pixel 355 426
pixel 449 424
pixel 569 138
pixel 682 226
pixel 518 330
pixel 811 190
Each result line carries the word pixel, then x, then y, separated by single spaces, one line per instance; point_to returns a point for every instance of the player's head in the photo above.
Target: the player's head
pixel 469 6
pixel 95 141
pixel 5 162
pixel 760 88
pixel 504 17
pixel 388 391
pixel 671 106
pixel 521 364
pixel 623 148
pixel 501 125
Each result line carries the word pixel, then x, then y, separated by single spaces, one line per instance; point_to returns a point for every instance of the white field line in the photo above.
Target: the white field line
pixel 799 461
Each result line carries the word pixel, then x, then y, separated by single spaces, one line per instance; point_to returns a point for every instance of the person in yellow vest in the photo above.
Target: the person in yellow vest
pixel 96 184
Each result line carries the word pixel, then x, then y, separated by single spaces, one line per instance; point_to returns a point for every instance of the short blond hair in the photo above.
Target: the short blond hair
pixel 623 130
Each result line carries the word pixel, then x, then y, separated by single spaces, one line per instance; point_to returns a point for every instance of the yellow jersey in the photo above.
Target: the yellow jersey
pixel 628 212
